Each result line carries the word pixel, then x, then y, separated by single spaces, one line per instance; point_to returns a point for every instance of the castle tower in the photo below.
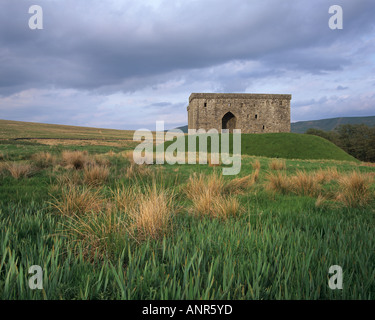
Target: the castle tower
pixel 252 113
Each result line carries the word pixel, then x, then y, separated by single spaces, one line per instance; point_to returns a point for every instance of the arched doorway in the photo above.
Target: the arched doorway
pixel 229 121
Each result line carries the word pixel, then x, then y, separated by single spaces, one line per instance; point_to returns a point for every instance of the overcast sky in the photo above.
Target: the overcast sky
pixel 125 64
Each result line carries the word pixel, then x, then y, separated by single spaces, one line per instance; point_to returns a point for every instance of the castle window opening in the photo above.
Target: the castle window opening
pixel 229 121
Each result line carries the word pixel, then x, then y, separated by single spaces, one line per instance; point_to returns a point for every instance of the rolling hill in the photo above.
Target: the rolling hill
pixel 274 145
pixel 33 130
pixel 330 124
pixel 288 146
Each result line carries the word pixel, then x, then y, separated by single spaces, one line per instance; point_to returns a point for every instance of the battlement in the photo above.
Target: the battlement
pixel 239 96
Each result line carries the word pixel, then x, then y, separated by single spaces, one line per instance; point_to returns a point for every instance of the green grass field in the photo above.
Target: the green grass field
pixel 99 230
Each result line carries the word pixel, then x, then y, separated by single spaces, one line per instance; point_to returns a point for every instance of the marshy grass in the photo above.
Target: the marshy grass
pixel 277 164
pixel 210 195
pixel 75 159
pixel 199 184
pixel 241 185
pixel 123 242
pixel 278 182
pixel 355 189
pixel 215 206
pixel 327 175
pixel 128 155
pixel 44 159
pixel 19 170
pixel 306 184
pixel 3 167
pixel 134 171
pixel 76 200
pixel 95 235
pixel 69 178
pixel 129 215
pixel 101 160
pixel 256 165
pixel 152 215
pixel 95 175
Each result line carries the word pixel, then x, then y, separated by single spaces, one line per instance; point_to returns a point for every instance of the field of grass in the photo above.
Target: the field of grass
pixel 102 227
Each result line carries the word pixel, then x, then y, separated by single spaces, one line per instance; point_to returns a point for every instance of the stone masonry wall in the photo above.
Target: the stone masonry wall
pixel 254 113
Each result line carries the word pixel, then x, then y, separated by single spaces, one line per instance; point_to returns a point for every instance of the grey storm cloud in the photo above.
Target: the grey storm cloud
pixel 99 44
pixel 124 64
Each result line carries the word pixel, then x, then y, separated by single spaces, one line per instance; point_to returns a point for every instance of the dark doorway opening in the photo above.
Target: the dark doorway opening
pixel 229 121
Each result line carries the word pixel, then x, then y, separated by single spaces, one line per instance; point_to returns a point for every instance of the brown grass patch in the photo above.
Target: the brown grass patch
pixel 277 164
pixel 215 206
pixel 152 215
pixel 43 159
pixel 94 174
pixel 75 159
pixel 199 184
pixel 368 164
pixel 256 165
pixel 124 198
pixel 305 184
pixel 209 195
pixel 19 170
pixel 150 212
pixel 128 155
pixel 239 185
pixel 77 201
pixel 101 160
pixel 327 175
pixel 355 189
pixel 70 178
pixel 138 170
pixel 278 182
pixel 111 153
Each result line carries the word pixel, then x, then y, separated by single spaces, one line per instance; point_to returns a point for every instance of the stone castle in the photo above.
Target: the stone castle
pixel 252 113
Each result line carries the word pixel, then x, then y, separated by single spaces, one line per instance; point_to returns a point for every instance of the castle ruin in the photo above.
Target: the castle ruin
pixel 252 113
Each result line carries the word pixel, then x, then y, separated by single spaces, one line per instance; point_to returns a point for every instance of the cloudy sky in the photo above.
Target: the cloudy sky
pixel 125 64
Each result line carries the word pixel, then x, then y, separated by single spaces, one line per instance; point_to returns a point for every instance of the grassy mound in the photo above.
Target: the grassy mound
pixel 292 146
pixel 287 146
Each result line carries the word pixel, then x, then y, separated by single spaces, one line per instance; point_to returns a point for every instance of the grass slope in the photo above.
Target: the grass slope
pixel 19 129
pixel 288 146
pixel 330 124
pixel 292 146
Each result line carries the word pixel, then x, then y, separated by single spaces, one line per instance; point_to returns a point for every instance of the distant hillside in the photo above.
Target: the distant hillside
pixel 324 124
pixel 330 124
pixel 20 129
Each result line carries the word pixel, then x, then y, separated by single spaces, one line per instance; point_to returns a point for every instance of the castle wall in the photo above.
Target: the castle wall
pixel 255 113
